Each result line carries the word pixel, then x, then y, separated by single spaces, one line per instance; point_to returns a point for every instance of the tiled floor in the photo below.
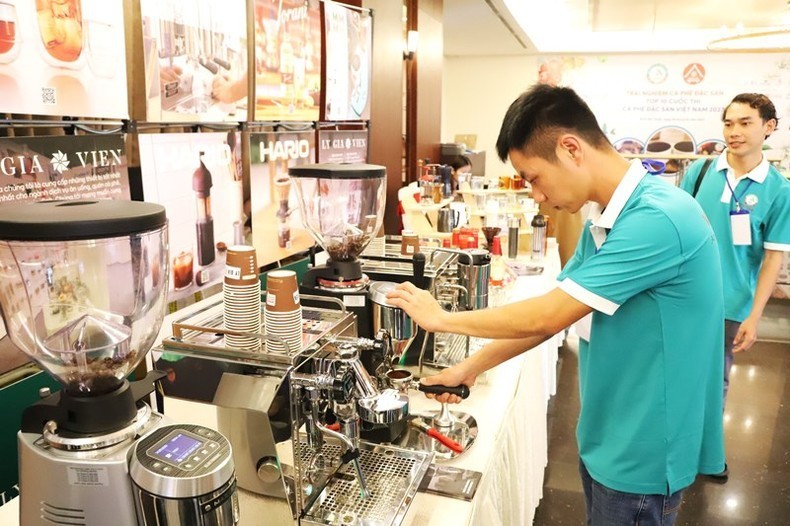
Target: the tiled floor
pixel 757 434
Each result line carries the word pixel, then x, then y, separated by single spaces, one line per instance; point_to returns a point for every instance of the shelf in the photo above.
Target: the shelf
pixel 511 211
pixel 494 191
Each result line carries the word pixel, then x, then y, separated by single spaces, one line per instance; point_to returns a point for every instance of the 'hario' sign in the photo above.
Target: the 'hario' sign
pixel 343 147
pixel 284 149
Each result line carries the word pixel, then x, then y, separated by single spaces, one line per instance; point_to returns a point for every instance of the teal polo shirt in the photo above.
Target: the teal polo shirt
pixel 650 376
pixel 766 194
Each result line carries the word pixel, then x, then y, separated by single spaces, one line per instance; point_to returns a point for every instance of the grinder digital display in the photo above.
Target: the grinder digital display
pixel 175 448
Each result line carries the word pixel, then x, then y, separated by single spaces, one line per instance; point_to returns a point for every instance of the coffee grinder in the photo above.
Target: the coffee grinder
pixel 83 288
pixel 342 207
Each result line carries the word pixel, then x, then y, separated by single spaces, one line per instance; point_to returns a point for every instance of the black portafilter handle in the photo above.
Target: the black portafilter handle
pixel 461 390
pixel 418 267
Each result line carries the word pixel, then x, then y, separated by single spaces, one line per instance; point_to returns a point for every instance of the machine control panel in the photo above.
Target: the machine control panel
pixel 183 449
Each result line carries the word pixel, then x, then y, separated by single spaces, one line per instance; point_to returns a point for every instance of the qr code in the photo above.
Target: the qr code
pixel 48 96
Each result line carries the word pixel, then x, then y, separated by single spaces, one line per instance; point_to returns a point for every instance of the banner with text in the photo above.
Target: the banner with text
pixel 63 167
pixel 349 48
pixel 65 57
pixel 198 179
pixel 277 230
pixel 287 60
pixel 662 104
pixel 342 146
pixel 195 54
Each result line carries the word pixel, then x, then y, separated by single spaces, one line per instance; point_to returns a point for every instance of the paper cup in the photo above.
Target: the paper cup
pixel 241 265
pixel 282 291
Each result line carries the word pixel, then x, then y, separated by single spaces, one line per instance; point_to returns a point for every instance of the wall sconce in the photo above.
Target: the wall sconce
pixel 412 39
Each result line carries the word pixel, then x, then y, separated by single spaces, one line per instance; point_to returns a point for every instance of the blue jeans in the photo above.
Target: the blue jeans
pixel 608 507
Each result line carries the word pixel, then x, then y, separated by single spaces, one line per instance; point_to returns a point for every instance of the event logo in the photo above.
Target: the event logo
pixel 60 162
pixel 19 165
pixel 657 73
pixel 694 73
pixel 282 150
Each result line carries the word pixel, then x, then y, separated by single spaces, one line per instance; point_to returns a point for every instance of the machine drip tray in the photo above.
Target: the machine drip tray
pixel 392 475
pixel 464 431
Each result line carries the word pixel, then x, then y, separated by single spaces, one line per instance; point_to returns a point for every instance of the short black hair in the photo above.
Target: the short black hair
pixel 759 102
pixel 539 115
pixel 459 161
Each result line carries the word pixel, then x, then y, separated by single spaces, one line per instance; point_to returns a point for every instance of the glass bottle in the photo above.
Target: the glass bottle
pixel 201 184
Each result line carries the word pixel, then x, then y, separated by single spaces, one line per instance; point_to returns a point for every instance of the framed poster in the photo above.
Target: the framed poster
pixel 195 54
pixel 63 167
pixel 343 146
pixel 63 57
pixel 277 229
pixel 196 177
pixel 287 60
pixel 349 48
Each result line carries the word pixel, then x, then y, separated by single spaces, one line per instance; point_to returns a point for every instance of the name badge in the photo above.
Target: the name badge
pixel 741 227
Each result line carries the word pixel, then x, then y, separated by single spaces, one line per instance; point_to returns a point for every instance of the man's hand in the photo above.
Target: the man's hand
pixel 450 377
pixel 747 335
pixel 420 305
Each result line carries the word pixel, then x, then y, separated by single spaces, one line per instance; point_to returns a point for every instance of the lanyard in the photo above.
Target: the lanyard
pixel 737 198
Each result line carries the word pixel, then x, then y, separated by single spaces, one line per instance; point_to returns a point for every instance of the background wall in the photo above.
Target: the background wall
pixel 476 92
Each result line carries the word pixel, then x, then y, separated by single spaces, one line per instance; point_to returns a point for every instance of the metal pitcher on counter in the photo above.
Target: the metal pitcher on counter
pixel 447 219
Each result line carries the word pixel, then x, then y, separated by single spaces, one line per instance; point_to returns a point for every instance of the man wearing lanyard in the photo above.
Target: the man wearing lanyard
pixel 748 204
pixel 647 269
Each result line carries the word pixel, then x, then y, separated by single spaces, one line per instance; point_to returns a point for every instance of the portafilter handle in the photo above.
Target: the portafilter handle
pixel 460 390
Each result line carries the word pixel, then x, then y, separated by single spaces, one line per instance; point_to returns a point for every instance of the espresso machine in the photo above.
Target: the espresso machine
pixel 83 288
pixel 342 207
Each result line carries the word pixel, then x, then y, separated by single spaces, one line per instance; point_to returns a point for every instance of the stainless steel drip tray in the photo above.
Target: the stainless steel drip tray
pixel 392 475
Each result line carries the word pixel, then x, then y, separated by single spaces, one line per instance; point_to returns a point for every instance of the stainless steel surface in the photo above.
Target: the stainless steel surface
pixel 388 407
pixel 218 508
pixel 449 349
pixel 398 324
pixel 393 475
pixel 447 219
pixel 213 464
pixel 85 443
pixel 464 430
pixel 69 488
pixel 475 279
pixel 196 334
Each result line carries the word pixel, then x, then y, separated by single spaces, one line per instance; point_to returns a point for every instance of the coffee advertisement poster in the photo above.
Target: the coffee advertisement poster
pixel 63 167
pixel 277 229
pixel 63 57
pixel 287 60
pixel 341 146
pixel 67 168
pixel 197 178
pixel 195 54
pixel 349 42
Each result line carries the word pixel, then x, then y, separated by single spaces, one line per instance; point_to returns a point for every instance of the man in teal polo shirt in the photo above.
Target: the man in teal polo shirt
pixel 647 270
pixel 748 204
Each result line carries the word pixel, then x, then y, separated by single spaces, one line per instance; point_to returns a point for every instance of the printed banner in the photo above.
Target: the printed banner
pixel 277 229
pixel 287 60
pixel 349 44
pixel 196 177
pixel 662 104
pixel 195 54
pixel 63 167
pixel 342 146
pixel 63 57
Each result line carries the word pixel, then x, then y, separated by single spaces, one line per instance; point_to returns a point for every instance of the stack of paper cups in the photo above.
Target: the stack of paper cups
pixel 242 298
pixel 283 312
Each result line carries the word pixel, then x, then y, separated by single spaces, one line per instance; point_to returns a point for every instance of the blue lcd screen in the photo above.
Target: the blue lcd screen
pixel 177 448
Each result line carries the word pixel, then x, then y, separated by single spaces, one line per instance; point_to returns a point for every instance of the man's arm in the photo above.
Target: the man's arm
pixel 490 356
pixel 766 281
pixel 543 316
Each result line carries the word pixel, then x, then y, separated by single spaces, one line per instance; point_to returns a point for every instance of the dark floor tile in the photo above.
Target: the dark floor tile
pixel 757 435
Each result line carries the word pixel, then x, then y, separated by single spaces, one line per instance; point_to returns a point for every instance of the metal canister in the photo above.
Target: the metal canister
pixel 538 237
pixel 473 275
